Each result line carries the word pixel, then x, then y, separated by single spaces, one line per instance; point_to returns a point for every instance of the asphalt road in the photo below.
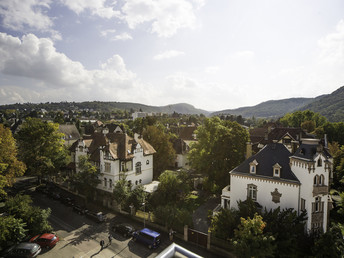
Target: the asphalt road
pixel 80 236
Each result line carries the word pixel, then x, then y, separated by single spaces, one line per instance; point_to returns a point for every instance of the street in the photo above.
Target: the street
pixel 80 236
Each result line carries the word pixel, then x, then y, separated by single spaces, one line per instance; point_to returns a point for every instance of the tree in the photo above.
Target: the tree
pixel 121 191
pixel 173 188
pixel 12 230
pixel 287 227
pixel 220 147
pixel 165 154
pixel 250 240
pixel 224 222
pixel 86 180
pixel 36 219
pixel 41 147
pixel 10 166
pixel 330 244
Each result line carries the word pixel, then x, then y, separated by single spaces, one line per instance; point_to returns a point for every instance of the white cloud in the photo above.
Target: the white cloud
pixel 166 16
pixel 168 54
pixel 96 7
pixel 212 69
pixel 19 15
pixel 123 36
pixel 105 33
pixel 244 55
pixel 54 76
pixel 332 46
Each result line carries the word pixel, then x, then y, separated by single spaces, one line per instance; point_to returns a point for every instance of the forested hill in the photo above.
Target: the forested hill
pixel 269 109
pixel 331 106
pixel 181 108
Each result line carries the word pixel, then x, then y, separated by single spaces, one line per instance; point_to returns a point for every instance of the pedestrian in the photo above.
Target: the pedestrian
pixel 110 238
pixel 171 234
pixel 102 244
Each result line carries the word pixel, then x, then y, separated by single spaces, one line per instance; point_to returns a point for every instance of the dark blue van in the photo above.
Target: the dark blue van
pixel 147 237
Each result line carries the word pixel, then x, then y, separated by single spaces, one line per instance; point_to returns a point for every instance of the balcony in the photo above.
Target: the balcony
pixel 226 191
pixel 320 189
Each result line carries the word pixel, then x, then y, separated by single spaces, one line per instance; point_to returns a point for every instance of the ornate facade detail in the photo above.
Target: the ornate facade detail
pixel 276 196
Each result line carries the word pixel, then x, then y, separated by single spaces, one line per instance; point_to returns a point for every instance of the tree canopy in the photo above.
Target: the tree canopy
pixel 86 180
pixel 165 154
pixel 10 166
pixel 41 147
pixel 220 147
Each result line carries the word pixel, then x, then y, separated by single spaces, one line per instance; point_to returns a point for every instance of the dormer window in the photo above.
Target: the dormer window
pixel 253 167
pixel 276 170
pixel 319 162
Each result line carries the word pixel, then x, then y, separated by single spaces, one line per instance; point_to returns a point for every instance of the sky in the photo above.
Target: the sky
pixel 212 54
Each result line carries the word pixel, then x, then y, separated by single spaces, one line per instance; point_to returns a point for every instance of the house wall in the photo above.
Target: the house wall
pixel 306 177
pixel 182 161
pixel 145 177
pixel 238 191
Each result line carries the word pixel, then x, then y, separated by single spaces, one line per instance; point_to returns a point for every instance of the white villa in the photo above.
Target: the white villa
pixel 116 154
pixel 275 177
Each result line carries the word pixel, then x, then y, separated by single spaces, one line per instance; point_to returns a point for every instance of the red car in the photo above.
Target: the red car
pixel 47 240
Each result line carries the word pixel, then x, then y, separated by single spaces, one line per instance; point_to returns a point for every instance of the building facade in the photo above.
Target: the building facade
pixel 117 155
pixel 274 177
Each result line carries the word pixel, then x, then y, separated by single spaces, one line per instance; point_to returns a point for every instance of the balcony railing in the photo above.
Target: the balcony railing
pixel 320 189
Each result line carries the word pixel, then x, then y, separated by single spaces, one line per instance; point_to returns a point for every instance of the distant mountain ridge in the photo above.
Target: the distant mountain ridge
pixel 182 108
pixel 330 105
pixel 268 109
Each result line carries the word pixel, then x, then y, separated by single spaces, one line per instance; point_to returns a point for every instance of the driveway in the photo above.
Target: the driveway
pixel 200 216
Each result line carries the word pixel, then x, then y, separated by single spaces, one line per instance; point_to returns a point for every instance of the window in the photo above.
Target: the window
pixel 122 166
pixel 252 192
pixel 319 162
pixel 303 204
pixel 107 167
pixel 129 183
pixel 136 182
pixel 317 205
pixel 276 170
pixel 105 182
pixel 147 162
pixel 110 183
pixel 138 168
pixel 140 181
pixel 81 148
pixel 321 180
pixel 253 167
pixel 315 180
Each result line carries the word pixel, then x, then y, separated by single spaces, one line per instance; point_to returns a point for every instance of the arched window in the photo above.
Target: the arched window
pixel 138 168
pixel 110 183
pixel 319 162
pixel 315 180
pixel 321 180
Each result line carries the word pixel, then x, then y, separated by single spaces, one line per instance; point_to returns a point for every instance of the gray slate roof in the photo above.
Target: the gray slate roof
pixel 267 157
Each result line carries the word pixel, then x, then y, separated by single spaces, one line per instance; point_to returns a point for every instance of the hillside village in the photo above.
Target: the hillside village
pixel 284 172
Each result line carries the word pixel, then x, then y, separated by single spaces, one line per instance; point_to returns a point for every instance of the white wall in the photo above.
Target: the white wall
pixel 238 191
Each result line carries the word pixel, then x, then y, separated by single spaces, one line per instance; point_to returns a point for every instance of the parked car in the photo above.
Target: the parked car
pixel 80 209
pixel 96 216
pixel 124 229
pixel 48 240
pixel 67 200
pixel 23 250
pixel 148 237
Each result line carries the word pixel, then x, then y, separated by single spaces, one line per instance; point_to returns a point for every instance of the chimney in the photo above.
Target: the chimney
pixel 325 140
pixel 248 150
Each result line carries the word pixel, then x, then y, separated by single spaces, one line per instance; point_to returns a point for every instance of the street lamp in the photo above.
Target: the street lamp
pixel 144 212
